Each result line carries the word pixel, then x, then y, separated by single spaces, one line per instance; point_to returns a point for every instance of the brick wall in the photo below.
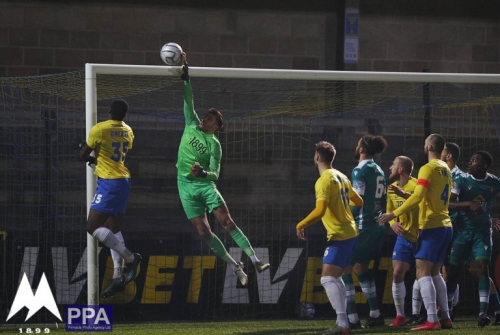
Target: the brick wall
pixel 405 43
pixel 38 39
pixel 44 38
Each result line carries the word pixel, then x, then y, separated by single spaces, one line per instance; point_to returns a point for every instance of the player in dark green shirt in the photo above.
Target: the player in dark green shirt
pixel 477 190
pixel 368 179
pixel 198 166
pixel 450 156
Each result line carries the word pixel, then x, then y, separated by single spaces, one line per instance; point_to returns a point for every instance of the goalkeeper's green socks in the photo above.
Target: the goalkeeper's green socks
pixel 242 241
pixel 220 250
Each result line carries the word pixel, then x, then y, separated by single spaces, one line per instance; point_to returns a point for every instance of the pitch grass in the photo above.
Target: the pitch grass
pixel 264 327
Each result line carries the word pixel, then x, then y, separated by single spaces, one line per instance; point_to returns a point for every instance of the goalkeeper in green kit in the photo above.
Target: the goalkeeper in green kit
pixel 198 166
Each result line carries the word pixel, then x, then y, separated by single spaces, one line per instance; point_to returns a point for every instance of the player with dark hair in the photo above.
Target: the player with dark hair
pixel 198 167
pixel 432 196
pixel 477 190
pixel 368 180
pixel 406 228
pixel 450 155
pixel 111 140
pixel 333 195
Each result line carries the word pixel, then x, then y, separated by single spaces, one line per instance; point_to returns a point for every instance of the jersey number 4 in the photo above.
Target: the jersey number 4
pixel 444 195
pixel 120 152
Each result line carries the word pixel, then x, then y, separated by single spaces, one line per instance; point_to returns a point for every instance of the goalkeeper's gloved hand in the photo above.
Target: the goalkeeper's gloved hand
pixel 79 144
pixel 185 72
pixel 198 171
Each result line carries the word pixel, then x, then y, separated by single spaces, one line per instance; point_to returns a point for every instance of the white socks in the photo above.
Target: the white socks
pixel 106 237
pixel 428 291
pixel 335 290
pixel 399 294
pixel 118 261
pixel 441 296
pixel 416 299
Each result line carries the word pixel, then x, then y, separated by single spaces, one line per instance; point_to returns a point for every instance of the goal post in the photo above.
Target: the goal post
pixel 353 78
pixel 272 120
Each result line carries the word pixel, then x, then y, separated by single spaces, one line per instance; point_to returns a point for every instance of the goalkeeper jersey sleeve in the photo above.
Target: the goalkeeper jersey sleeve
pixel 196 146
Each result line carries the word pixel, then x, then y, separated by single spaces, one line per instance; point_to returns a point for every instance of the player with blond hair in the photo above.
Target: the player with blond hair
pixel 432 196
pixel 406 229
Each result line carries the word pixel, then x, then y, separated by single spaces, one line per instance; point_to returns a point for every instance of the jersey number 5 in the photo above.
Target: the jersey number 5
pixel 120 152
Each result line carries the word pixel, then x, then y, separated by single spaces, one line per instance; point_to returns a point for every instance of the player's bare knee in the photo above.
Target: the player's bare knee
pixel 228 224
pixel 398 276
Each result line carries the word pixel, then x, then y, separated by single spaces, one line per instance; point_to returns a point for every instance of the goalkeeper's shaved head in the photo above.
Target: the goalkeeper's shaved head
pixel 119 109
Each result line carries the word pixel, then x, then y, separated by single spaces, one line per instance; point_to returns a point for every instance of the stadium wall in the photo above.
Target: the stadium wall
pixel 38 38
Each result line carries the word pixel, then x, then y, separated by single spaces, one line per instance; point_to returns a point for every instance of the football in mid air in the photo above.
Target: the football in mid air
pixel 171 54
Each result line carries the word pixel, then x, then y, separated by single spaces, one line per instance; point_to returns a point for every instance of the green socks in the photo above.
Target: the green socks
pixel 219 249
pixel 242 241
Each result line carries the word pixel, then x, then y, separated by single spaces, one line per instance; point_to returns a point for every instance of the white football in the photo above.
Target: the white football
pixel 171 53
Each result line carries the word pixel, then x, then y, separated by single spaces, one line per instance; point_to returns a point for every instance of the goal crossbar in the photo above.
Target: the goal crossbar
pixel 205 72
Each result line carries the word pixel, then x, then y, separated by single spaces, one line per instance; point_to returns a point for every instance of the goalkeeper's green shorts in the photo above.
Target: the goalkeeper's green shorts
pixel 198 197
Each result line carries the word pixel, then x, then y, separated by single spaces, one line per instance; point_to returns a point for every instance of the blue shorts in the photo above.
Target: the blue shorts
pixel 339 253
pixel 433 243
pixel 404 250
pixel 111 196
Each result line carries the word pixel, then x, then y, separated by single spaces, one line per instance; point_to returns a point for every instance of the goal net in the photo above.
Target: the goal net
pixel 273 119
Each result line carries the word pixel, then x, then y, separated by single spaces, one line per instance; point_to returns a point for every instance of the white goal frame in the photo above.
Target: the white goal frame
pixel 92 70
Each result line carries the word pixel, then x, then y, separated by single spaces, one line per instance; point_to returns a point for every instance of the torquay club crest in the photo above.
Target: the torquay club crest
pixel 34 302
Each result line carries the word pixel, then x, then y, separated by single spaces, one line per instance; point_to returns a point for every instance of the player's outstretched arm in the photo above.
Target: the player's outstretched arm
pixel 185 68
pixel 189 112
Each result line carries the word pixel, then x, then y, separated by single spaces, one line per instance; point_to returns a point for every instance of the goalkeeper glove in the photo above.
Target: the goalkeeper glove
pixel 185 72
pixel 198 171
